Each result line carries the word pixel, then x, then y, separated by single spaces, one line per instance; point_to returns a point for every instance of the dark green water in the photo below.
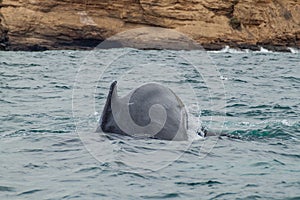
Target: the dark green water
pixel 51 102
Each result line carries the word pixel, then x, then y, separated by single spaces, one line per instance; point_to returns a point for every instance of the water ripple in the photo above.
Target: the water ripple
pixel 41 155
pixel 6 189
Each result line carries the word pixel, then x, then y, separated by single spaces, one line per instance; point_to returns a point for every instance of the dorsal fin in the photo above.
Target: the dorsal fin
pixel 107 108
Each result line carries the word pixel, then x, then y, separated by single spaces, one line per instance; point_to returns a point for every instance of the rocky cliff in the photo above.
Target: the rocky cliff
pixel 3 33
pixel 73 24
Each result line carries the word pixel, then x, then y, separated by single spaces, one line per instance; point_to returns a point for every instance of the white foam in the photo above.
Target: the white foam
pixel 293 50
pixel 263 50
pixel 287 123
pixel 223 78
pixel 194 127
pixel 227 49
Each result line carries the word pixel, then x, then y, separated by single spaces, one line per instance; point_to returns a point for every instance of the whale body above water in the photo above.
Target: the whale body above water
pixel 151 110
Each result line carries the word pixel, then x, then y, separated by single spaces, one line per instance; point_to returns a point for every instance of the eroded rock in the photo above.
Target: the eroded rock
pixel 78 24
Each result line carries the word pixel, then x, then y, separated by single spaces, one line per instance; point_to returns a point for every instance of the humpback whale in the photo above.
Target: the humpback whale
pixel 151 110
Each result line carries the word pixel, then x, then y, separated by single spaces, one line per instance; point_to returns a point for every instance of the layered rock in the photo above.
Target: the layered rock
pixel 73 24
pixel 3 34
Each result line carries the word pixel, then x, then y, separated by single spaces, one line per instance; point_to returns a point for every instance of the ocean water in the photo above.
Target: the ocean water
pixel 51 102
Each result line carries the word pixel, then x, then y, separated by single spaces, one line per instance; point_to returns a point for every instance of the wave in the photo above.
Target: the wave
pixel 263 50
pixel 294 50
pixel 227 49
pixel 283 129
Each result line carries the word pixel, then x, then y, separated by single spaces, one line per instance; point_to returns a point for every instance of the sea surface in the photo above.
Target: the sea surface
pixel 51 102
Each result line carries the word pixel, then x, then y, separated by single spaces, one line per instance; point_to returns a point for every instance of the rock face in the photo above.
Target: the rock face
pixel 82 24
pixel 3 34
